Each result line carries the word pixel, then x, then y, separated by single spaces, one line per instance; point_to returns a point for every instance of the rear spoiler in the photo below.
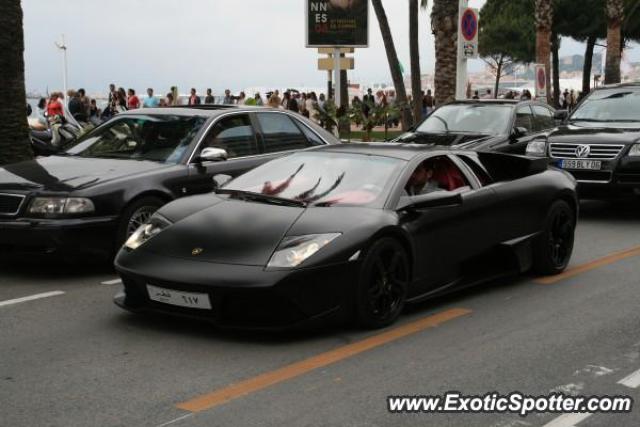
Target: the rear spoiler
pixel 503 166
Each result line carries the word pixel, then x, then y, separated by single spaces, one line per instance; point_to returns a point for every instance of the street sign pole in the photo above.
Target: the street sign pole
pixel 338 77
pixel 461 69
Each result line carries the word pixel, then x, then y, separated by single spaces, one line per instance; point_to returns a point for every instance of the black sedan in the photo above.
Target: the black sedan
pixel 502 125
pixel 599 143
pixel 349 230
pixel 92 196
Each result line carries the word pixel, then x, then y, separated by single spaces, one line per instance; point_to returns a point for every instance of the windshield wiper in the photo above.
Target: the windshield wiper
pixel 258 197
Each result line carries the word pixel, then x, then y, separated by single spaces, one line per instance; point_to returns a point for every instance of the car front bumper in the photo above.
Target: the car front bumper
pixel 242 297
pixel 44 236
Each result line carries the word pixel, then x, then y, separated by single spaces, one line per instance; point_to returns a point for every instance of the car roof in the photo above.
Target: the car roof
pixel 498 101
pixel 630 85
pixel 397 150
pixel 205 110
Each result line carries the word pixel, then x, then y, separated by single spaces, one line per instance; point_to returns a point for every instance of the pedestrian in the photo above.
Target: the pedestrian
pixel 274 101
pixel 289 102
pixel 258 98
pixel 86 102
pixel 209 98
pixel 169 100
pixel 429 102
pixel 573 101
pixel 488 94
pixel 312 106
pixel 121 101
pixel 133 102
pixel 242 98
pixel 75 106
pixel 94 111
pixel 322 100
pixel 302 104
pixel 150 101
pixel 194 99
pixel 228 99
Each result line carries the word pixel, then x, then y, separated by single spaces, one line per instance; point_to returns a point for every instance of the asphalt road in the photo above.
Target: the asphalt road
pixel 72 358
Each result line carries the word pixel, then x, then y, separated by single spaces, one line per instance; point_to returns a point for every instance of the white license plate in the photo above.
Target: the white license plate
pixel 179 298
pixel 581 164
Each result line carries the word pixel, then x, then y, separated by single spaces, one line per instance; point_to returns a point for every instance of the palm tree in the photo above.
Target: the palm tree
pixel 14 130
pixel 414 48
pixel 544 24
pixel 444 25
pixel 614 11
pixel 394 64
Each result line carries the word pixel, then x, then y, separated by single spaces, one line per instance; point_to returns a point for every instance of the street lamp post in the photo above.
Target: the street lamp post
pixel 63 47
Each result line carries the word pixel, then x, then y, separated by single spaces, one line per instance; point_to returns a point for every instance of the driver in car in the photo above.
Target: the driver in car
pixel 421 181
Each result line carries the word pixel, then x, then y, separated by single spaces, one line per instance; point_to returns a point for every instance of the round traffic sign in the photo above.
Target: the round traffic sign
pixel 542 78
pixel 469 24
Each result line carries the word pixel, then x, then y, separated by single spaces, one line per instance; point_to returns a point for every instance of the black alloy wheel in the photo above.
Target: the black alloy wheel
pixel 553 248
pixel 383 283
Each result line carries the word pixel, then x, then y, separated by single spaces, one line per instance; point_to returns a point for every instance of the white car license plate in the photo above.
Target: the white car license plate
pixel 581 164
pixel 179 298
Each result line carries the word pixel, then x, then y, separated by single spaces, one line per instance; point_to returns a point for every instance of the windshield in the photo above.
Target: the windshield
pixel 615 105
pixel 155 138
pixel 485 119
pixel 323 179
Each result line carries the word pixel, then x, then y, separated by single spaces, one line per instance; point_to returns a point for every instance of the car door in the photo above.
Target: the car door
pixel 235 133
pixel 543 118
pixel 524 119
pixel 447 237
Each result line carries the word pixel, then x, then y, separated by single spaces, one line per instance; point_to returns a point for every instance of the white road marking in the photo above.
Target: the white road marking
pixel 112 282
pixel 631 380
pixel 30 298
pixel 176 420
pixel 567 420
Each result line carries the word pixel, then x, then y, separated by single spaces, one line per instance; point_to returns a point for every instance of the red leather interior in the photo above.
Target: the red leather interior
pixel 448 175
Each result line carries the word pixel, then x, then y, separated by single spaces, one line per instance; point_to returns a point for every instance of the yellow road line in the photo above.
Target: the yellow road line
pixel 591 265
pixel 260 382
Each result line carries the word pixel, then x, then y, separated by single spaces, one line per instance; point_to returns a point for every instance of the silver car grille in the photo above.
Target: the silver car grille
pixel 595 151
pixel 10 203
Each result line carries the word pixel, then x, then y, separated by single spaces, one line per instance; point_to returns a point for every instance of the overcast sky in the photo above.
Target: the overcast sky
pixel 200 43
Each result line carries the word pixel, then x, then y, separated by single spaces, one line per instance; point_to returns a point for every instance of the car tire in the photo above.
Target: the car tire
pixel 553 247
pixel 382 284
pixel 134 215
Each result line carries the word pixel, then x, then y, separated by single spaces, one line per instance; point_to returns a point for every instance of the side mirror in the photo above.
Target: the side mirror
pixel 212 154
pixel 437 199
pixel 220 180
pixel 518 132
pixel 561 115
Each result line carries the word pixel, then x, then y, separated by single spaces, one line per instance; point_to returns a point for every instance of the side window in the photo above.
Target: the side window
pixel 313 138
pixel 280 133
pixel 524 117
pixel 435 174
pixel 482 175
pixel 543 118
pixel 234 134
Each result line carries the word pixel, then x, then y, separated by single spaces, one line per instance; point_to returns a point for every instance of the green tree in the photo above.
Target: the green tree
pixel 14 130
pixel 507 35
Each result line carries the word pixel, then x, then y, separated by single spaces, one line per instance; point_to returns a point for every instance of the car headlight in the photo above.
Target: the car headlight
pixel 537 148
pixel 635 150
pixel 61 206
pixel 294 250
pixel 145 232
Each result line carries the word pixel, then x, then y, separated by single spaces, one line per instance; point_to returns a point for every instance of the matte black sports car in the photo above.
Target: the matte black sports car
pixel 599 143
pixel 355 230
pixel 92 196
pixel 503 125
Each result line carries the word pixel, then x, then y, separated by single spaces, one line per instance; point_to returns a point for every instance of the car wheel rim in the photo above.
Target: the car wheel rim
pixel 387 285
pixel 560 238
pixel 139 217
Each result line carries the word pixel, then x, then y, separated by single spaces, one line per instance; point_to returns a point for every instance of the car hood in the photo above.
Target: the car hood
pixel 444 139
pixel 594 133
pixel 66 174
pixel 228 232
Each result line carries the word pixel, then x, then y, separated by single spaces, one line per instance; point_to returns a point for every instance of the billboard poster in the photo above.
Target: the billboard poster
pixel 332 23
